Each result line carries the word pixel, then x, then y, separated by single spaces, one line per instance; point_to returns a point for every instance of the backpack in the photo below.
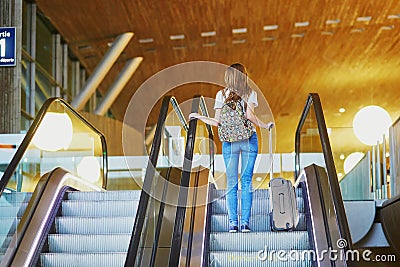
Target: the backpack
pixel 234 126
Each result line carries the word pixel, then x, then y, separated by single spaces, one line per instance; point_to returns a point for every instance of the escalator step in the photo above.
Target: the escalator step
pixel 252 259
pixel 83 260
pixel 88 243
pixel 107 195
pixel 255 241
pixel 92 225
pixel 13 210
pixel 258 223
pixel 99 208
pixel 259 206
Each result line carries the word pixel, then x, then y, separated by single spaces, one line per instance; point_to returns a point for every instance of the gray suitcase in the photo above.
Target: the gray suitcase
pixel 284 214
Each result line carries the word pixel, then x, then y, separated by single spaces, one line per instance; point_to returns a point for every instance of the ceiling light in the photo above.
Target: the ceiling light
pixel 209 44
pixel 177 37
pixel 297 35
pixel 387 28
pixel 146 40
pixel 269 38
pixel 364 19
pixel 340 175
pixel 327 33
pixel 332 21
pixel 302 24
pixel 82 47
pixel 270 27
pixel 370 124
pixel 208 34
pixel 179 47
pixel 342 110
pixel 395 16
pixel 241 41
pixel 342 157
pixel 357 30
pixel 239 30
pixel 351 161
pixel 258 179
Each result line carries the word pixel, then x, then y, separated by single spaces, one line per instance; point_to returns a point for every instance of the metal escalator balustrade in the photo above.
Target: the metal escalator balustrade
pixel 58 137
pixel 144 224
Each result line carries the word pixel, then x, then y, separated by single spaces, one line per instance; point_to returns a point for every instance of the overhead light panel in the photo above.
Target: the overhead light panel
pixel 210 44
pixel 268 38
pixel 332 21
pixel 395 16
pixel 179 47
pixel 364 19
pixel 270 27
pixel 357 30
pixel 208 34
pixel 302 24
pixel 146 40
pixel 297 35
pixel 387 28
pixel 327 33
pixel 239 30
pixel 82 47
pixel 177 37
pixel 241 41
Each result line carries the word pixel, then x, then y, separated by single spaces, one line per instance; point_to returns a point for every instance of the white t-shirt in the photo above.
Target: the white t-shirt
pixel 220 99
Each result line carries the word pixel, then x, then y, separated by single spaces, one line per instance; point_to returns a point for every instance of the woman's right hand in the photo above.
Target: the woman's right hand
pixel 194 115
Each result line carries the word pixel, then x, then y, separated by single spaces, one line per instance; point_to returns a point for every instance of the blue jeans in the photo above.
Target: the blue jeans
pixel 248 150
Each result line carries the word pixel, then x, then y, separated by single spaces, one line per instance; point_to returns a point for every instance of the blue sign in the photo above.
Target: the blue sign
pixel 7 46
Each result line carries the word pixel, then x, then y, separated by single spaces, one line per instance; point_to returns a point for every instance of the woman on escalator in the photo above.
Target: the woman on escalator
pixel 235 119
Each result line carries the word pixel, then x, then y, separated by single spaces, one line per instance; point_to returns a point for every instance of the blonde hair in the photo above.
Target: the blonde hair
pixel 236 82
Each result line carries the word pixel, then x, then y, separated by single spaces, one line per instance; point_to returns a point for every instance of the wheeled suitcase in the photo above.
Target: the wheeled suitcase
pixel 284 214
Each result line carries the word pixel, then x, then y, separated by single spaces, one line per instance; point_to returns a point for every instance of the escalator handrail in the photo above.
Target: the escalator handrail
pixel 204 111
pixel 148 180
pixel 176 244
pixel 313 99
pixel 179 113
pixel 36 222
pixel 31 133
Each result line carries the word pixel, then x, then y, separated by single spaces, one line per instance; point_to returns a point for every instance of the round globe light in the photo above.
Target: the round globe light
pixel 89 169
pixel 370 124
pixel 352 160
pixel 54 132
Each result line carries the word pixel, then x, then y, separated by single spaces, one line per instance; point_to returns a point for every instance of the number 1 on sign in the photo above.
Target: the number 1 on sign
pixel 2 47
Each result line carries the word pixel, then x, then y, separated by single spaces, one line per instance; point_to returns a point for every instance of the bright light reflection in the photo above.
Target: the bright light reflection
pixel 352 161
pixel 370 124
pixel 89 169
pixel 54 132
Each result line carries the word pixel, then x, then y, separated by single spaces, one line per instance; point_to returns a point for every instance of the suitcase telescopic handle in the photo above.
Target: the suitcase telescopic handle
pixel 271 170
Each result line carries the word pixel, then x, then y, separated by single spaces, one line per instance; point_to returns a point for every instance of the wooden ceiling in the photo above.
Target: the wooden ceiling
pixel 346 51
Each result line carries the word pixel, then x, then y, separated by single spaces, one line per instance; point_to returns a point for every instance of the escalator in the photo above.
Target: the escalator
pixel 180 217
